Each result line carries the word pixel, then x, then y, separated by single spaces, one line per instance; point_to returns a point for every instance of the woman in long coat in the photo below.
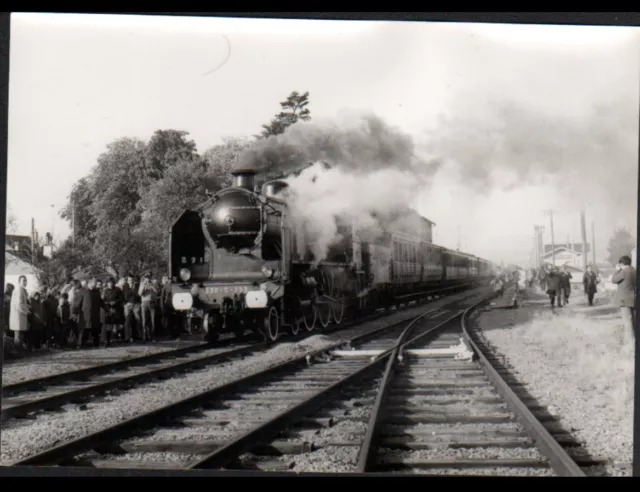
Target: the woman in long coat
pixel 19 316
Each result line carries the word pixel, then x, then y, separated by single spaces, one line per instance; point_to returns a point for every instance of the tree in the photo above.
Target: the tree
pixel 165 149
pixel 620 244
pixel 183 186
pixel 78 209
pixel 70 259
pixel 107 204
pixel 293 109
pixel 223 158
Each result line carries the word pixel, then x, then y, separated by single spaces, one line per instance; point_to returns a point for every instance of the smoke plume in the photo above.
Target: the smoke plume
pixel 513 145
pixel 356 142
pixel 531 161
pixel 355 169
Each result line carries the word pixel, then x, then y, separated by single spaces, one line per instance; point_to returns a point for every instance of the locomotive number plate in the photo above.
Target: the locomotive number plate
pixel 226 290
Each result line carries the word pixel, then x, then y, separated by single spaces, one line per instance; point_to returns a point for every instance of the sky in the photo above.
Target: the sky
pixel 78 82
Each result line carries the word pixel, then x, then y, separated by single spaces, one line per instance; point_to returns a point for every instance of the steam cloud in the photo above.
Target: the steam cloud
pixel 571 162
pixel 372 201
pixel 355 169
pixel 362 170
pixel 593 159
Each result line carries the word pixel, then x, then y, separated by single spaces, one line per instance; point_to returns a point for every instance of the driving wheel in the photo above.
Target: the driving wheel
pixel 272 324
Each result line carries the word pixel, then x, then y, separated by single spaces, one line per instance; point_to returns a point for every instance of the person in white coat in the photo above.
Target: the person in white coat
pixel 19 318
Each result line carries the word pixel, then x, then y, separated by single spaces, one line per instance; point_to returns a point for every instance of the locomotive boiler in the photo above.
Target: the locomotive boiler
pixel 240 261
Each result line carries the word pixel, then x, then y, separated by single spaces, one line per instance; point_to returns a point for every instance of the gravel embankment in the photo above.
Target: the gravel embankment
pixel 59 361
pixel 23 438
pixel 573 363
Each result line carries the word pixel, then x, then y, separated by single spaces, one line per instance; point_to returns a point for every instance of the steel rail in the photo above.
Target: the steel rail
pixel 58 454
pixel 560 461
pixel 367 455
pixel 270 429
pixel 102 368
pixel 57 400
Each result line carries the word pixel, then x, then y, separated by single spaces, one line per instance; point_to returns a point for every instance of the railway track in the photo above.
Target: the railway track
pixel 215 428
pixel 440 412
pixel 50 393
pixel 27 397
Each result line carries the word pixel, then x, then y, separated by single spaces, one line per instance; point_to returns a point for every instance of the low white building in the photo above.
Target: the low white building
pixel 14 267
pixel 565 254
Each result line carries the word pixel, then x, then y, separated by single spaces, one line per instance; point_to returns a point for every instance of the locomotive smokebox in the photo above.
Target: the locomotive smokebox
pixel 244 178
pixel 272 188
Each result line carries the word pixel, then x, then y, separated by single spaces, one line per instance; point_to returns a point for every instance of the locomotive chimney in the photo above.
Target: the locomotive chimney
pixel 272 188
pixel 244 178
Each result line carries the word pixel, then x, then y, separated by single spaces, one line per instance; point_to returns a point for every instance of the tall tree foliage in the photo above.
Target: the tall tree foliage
pixel 222 158
pixel 293 109
pixel 620 244
pixel 165 149
pixel 78 209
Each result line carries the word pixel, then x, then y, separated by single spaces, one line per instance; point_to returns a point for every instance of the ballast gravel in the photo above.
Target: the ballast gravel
pixel 575 365
pixel 59 361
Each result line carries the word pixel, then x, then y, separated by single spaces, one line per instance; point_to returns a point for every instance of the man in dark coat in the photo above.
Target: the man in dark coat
pixel 625 277
pixel 36 321
pixel 131 301
pixel 91 304
pixel 565 285
pixel 590 281
pixel 542 278
pixel 553 286
pixel 111 302
pixel 51 326
pixel 166 305
pixel 77 315
pixel 7 308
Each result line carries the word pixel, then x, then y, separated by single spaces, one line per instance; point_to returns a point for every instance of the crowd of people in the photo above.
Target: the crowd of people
pixel 90 311
pixel 556 283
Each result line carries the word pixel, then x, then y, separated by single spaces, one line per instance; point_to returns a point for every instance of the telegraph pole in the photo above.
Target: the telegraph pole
pixel 534 263
pixel 593 243
pixel 584 239
pixel 553 243
pixel 73 221
pixel 33 241
pixel 52 221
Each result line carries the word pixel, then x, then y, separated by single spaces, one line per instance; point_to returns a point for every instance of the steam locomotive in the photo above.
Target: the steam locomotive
pixel 240 261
